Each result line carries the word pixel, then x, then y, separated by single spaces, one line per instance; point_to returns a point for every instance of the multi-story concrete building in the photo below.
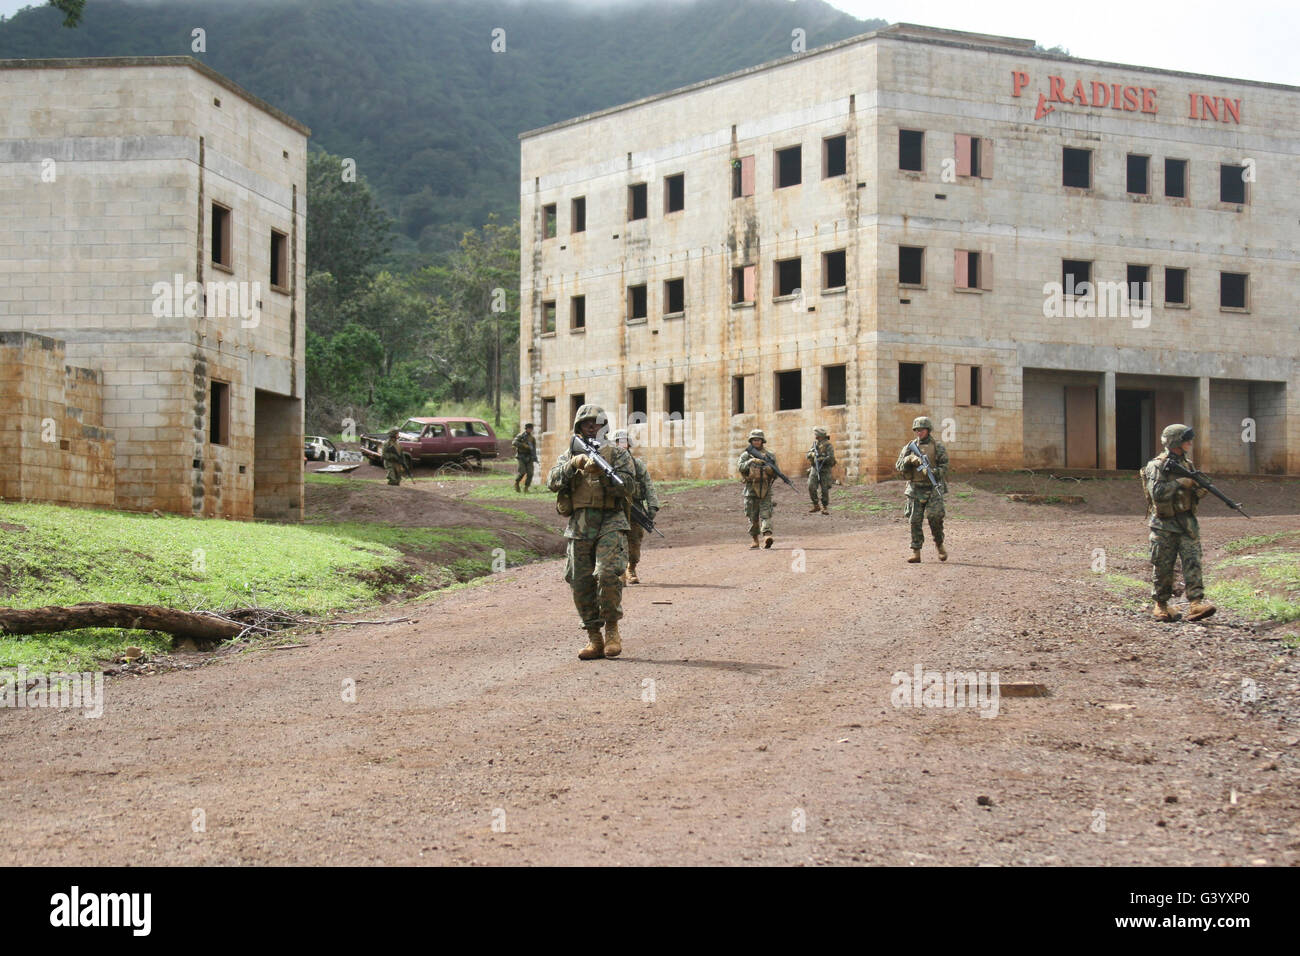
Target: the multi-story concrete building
pixel 1052 257
pixel 153 236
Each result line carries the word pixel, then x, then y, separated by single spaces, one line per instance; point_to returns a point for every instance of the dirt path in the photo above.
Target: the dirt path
pixel 770 674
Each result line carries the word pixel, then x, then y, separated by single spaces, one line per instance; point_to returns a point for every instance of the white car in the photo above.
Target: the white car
pixel 319 448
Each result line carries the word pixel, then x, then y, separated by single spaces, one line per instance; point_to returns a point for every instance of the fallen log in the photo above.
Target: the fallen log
pixel 139 617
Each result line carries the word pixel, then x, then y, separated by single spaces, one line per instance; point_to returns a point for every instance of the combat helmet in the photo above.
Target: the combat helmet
pixel 527 425
pixel 820 432
pixel 922 422
pixel 590 411
pixel 393 432
pixel 757 433
pixel 1176 435
pixel 621 435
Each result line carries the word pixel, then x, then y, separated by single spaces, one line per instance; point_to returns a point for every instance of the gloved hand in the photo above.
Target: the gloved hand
pixel 912 461
pixel 579 462
pixel 1187 483
pixel 590 467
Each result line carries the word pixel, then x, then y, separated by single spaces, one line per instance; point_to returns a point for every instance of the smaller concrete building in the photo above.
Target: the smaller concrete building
pixel 152 270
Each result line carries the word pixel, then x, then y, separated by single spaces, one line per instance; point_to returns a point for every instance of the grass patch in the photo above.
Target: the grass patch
pixel 1259 541
pixel 675 486
pixel 1261 587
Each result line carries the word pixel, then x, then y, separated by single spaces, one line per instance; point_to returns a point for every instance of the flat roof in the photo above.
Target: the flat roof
pixel 908 33
pixel 74 63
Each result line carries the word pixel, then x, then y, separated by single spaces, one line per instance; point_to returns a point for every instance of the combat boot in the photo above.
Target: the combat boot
pixel 824 511
pixel 1200 608
pixel 631 575
pixel 767 542
pixel 916 556
pixel 516 486
pixel 755 544
pixel 613 642
pixel 943 555
pixel 1163 613
pixel 595 648
pixel 623 577
pixel 814 509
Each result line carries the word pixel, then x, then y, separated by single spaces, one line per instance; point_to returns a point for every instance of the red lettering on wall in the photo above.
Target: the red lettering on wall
pixel 1130 98
pixel 1080 96
pixel 1019 80
pixel 1191 106
pixel 1148 100
pixel 1043 108
pixel 1103 98
pixel 1056 89
pixel 1233 107
pixel 1114 97
pixel 1210 105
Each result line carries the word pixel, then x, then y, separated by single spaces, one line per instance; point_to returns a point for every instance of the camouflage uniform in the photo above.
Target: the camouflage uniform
pixel 1175 532
pixel 525 445
pixel 392 458
pixel 646 499
pixel 758 491
pixel 922 500
pixel 597 533
pixel 821 457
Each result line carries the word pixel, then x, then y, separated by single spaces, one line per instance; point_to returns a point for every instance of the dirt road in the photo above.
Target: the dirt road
pixel 749 719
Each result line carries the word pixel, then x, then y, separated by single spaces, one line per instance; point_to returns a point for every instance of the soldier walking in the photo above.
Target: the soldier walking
pixel 645 499
pixel 1175 532
pixel 759 475
pixel 525 445
pixel 821 458
pixel 923 499
pixel 597 553
pixel 392 457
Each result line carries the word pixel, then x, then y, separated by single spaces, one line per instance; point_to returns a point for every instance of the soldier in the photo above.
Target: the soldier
pixel 597 531
pixel 1175 532
pixel 922 499
pixel 525 445
pixel 821 457
pixel 392 458
pixel 645 498
pixel 758 475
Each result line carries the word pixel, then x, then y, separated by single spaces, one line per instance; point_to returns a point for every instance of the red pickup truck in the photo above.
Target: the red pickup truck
pixel 434 441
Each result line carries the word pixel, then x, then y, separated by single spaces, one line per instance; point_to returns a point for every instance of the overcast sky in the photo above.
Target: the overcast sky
pixel 1249 39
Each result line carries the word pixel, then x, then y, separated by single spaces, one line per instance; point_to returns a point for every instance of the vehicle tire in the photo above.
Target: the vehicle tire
pixel 472 460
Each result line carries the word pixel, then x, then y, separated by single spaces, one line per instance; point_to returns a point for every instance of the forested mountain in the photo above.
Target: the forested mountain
pixel 412 89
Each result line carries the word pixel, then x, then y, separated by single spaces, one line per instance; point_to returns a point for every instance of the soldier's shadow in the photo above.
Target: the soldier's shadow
pixel 742 667
pixel 664 584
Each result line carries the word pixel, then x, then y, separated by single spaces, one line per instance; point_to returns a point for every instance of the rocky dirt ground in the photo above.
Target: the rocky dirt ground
pixel 751 717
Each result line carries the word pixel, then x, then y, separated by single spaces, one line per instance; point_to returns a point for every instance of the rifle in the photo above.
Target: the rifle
pixel 581 446
pixel 406 467
pixel 915 449
pixel 762 455
pixel 1176 467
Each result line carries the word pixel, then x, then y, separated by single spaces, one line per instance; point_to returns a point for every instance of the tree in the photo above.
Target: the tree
pixel 348 234
pixel 71 10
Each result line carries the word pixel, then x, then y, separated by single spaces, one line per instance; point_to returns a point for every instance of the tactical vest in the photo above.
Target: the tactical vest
pixel 761 485
pixel 916 475
pixel 587 491
pixel 1184 500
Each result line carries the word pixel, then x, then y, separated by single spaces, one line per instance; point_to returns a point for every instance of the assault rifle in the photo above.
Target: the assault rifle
pixel 1173 466
pixel 764 456
pixel 915 449
pixel 591 449
pixel 406 467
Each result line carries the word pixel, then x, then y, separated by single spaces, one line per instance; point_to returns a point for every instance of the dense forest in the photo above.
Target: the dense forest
pixel 416 94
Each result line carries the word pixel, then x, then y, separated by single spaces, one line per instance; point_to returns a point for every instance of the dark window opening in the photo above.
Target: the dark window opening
pixel 636 202
pixel 578 312
pixel 1232 184
pixel 548 221
pixel 910 152
pixel 638 409
pixel 548 316
pixel 1076 277
pixel 789 390
pixel 742 177
pixel 675 193
pixel 675 399
pixel 834 384
pixel 221 255
pixel 737 394
pixel 1139 284
pixel 578 214
pixel 789 166
pixel 975 385
pixel 1232 290
pixel 1139 170
pixel 575 403
pixel 971 262
pixel 279 260
pixel 834 270
pixel 1175 286
pixel 548 414
pixel 674 296
pixel 789 274
pixel 834 156
pixel 742 284
pixel 911 260
pixel 219 414
pixel 1076 167
pixel 636 302
pixel 909 383
pixel 975 156
pixel 1176 178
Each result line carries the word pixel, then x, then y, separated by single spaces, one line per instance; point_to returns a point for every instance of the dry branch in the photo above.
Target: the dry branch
pixel 141 617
